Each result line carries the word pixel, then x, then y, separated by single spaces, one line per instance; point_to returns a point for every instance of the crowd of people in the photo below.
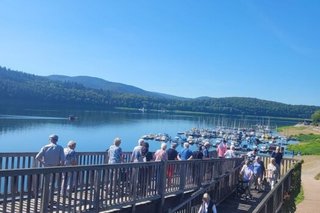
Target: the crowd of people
pixel 141 152
pixel 54 154
pixel 253 171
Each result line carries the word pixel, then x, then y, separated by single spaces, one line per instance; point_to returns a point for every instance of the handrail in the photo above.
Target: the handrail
pixel 14 160
pixel 270 204
pixel 211 188
pixel 193 196
pixel 105 186
pixel 273 201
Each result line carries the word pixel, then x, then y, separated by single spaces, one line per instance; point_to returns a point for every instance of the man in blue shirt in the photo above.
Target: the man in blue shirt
pixel 258 171
pixel 186 153
pixel 205 150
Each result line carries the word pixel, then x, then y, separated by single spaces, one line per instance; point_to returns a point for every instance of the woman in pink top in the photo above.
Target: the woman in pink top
pixel 161 154
pixel 222 148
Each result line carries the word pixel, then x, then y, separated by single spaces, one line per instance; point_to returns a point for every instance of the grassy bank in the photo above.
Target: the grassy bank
pixel 292 131
pixel 308 136
pixel 309 144
pixel 300 197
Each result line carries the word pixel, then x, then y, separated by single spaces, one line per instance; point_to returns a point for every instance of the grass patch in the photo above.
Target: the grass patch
pixel 291 131
pixel 300 197
pixel 287 128
pixel 317 177
pixel 308 137
pixel 309 145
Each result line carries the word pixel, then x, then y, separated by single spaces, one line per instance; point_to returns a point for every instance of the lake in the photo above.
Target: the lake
pixel 28 131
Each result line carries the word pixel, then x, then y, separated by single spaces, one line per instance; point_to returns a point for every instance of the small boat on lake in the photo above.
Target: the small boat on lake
pixel 72 118
pixel 149 137
pixel 163 137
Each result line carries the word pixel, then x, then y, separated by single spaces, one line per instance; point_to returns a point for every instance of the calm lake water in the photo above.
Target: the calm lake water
pixel 95 131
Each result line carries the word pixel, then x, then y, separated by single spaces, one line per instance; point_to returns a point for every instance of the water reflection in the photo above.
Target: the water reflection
pixel 95 130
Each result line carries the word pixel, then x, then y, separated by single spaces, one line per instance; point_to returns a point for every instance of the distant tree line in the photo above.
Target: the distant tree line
pixel 18 89
pixel 315 117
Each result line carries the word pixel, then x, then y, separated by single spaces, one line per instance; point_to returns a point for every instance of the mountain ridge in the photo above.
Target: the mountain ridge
pixel 100 83
pixel 28 90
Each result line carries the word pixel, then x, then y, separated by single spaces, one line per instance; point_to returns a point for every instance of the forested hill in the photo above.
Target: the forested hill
pixel 98 83
pixel 18 89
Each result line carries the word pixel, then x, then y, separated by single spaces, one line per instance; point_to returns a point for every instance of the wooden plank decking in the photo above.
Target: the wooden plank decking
pixel 29 189
pixel 237 204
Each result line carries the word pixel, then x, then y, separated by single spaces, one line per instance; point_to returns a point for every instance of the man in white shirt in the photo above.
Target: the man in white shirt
pixel 51 154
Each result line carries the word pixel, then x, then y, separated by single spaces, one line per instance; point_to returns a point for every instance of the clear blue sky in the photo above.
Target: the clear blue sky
pixel 267 49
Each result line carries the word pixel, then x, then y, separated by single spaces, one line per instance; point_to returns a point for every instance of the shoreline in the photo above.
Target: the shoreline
pixel 298 129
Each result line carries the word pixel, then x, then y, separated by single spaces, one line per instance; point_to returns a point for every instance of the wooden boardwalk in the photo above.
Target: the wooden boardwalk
pixel 236 204
pixel 269 201
pixel 99 187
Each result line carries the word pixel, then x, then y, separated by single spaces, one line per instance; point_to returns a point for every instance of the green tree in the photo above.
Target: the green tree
pixel 316 117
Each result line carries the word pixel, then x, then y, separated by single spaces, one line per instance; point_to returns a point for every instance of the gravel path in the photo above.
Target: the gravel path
pixel 311 186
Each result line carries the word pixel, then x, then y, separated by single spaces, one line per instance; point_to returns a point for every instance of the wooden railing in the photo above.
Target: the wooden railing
pixel 18 160
pixel 218 189
pixel 272 203
pixel 274 200
pixel 95 186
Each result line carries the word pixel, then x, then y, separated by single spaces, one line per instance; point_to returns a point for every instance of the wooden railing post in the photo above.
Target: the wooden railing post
pixel 106 158
pixel 135 175
pixel 34 162
pixel 45 193
pixel 183 170
pixel 201 173
pixel 97 185
pixel 162 184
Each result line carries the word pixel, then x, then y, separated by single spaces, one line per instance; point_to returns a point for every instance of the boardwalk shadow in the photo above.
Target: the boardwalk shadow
pixel 234 203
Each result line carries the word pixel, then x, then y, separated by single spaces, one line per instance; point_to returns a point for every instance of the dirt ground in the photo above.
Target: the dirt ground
pixel 301 129
pixel 311 186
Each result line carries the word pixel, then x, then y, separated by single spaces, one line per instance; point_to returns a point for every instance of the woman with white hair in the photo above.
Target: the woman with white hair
pixel 70 154
pixel 161 154
pixel 115 152
pixel 69 179
pixel 207 206
pixel 272 172
pixel 246 175
pixel 136 155
pixel 230 153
